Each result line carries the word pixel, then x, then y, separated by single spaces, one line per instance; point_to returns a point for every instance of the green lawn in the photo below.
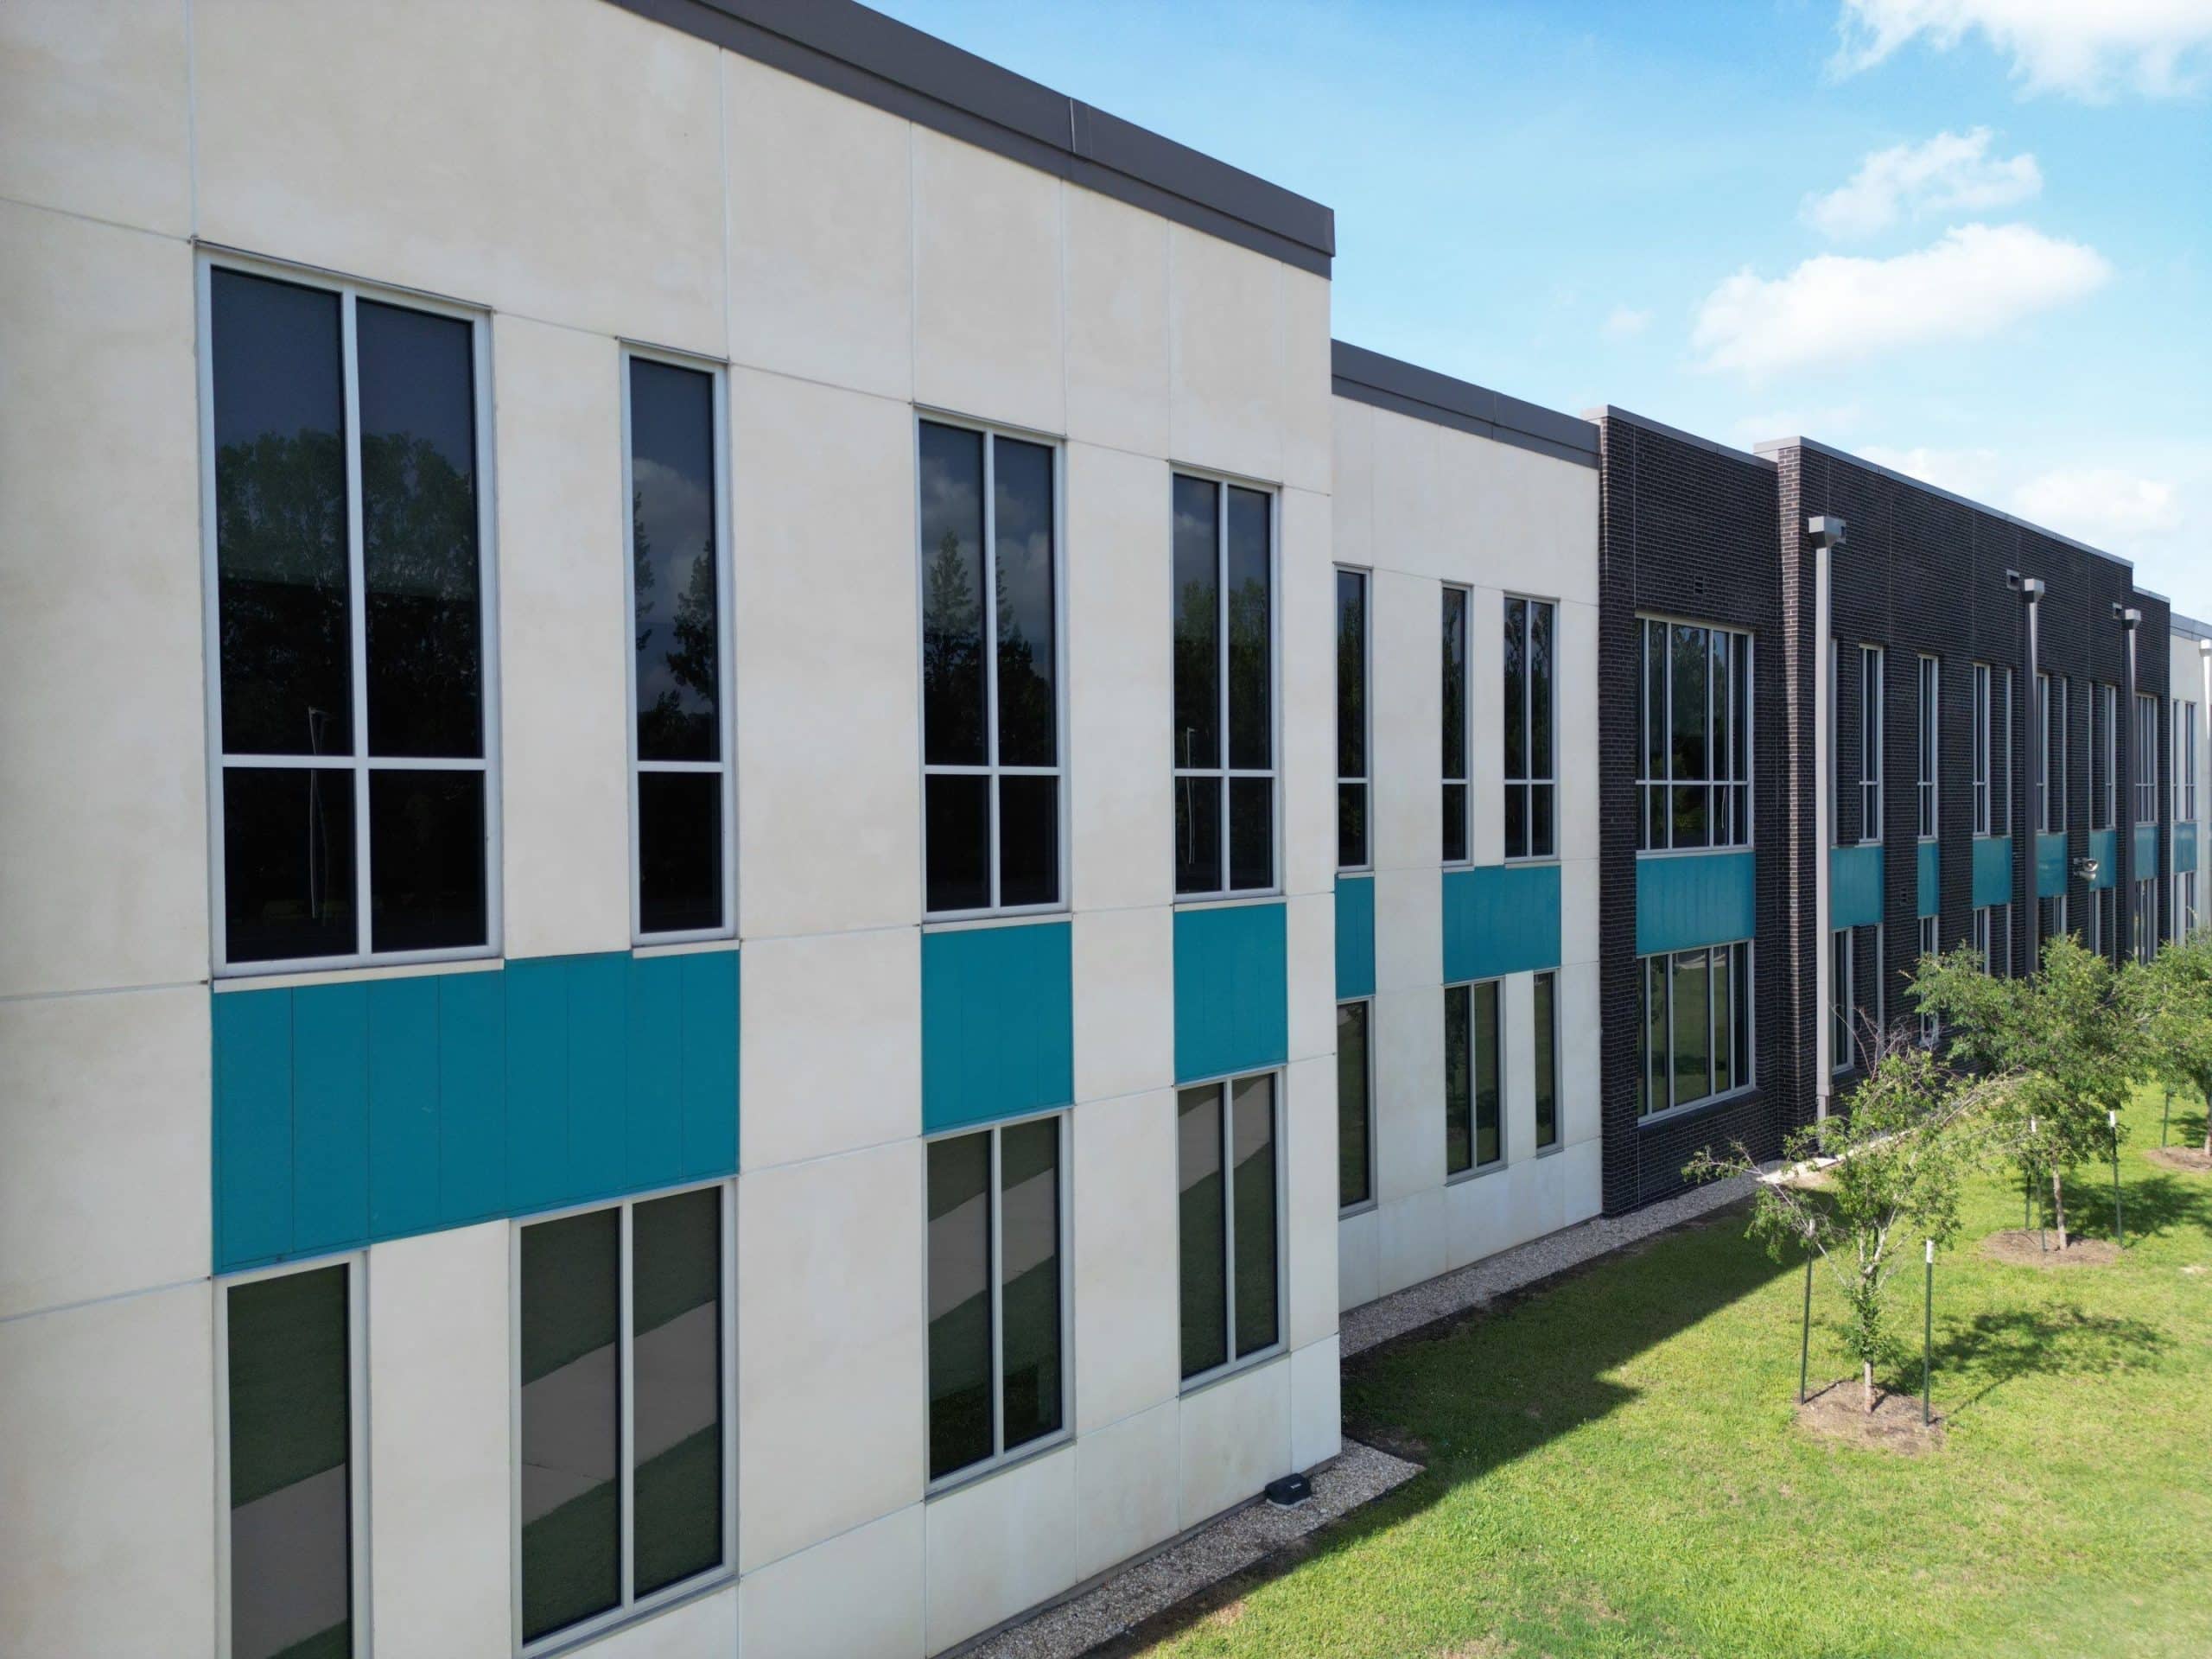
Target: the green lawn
pixel 1614 1469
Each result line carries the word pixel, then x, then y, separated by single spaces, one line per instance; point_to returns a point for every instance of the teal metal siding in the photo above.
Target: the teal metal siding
pixel 350 1113
pixel 2050 865
pixel 998 1023
pixel 2104 846
pixel 1854 886
pixel 1232 991
pixel 1928 873
pixel 1355 937
pixel 1687 900
pixel 2185 845
pixel 1501 919
pixel 1992 870
pixel 2147 850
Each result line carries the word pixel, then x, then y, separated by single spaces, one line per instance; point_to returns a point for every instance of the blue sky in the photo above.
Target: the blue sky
pixel 1972 239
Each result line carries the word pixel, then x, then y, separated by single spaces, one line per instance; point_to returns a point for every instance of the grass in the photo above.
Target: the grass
pixel 1615 1469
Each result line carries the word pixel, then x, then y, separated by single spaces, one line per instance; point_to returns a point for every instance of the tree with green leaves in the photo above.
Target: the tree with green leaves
pixel 2167 1004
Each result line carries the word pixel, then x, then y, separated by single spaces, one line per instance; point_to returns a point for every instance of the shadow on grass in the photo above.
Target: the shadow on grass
pixel 1998 1346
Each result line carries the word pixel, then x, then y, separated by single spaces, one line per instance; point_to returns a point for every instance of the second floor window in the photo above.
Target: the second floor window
pixel 2146 760
pixel 990 674
pixel 2104 756
pixel 1931 683
pixel 1530 824
pixel 1352 720
pixel 1872 689
pixel 1992 727
pixel 2184 761
pixel 1454 693
pixel 1694 762
pixel 2050 721
pixel 1224 766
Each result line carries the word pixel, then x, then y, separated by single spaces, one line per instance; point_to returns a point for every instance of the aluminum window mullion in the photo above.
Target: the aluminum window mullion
pixel 994 1218
pixel 1227 1097
pixel 990 561
pixel 625 1348
pixel 356 579
pixel 1222 659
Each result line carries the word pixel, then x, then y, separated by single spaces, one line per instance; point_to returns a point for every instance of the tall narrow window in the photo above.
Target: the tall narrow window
pixel 350 559
pixel 2147 918
pixel 2145 759
pixel 1871 699
pixel 1694 762
pixel 1224 688
pixel 1546 1025
pixel 1355 1118
pixel 1693 1026
pixel 1843 995
pixel 2184 761
pixel 1456 850
pixel 681 801
pixel 2104 756
pixel 1928 947
pixel 1474 1129
pixel 1229 1279
pixel 997 1317
pixel 990 674
pixel 289 1355
pixel 1352 720
pixel 1530 787
pixel 2103 905
pixel 1992 938
pixel 1931 673
pixel 624 1408
pixel 2051 713
pixel 2000 751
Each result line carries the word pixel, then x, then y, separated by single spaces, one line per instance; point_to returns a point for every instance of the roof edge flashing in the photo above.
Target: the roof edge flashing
pixel 1606 412
pixel 1368 377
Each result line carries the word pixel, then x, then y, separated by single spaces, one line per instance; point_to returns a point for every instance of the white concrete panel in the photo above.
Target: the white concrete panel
pixel 832 1057
pixel 439 1398
pixel 1407 722
pixel 1486 728
pixel 858 1596
pixel 1124 971
pixel 104 1099
pixel 1121 678
pixel 1308 421
pixel 829 1340
pixel 1534 523
pixel 1411 1236
pixel 1309 695
pixel 1310 1198
pixel 1352 500
pixel 564 662
pixel 1409 1058
pixel 1116 262
pixel 1310 928
pixel 1225 331
pixel 1574 690
pixel 1122 1175
pixel 998 1546
pixel 1516 1018
pixel 1579 1027
pixel 694 1629
pixel 1236 1439
pixel 1358 1263
pixel 1127 1487
pixel 821 282
pixel 1578 911
pixel 988 337
pixel 829 745
pixel 1409 538
pixel 595 201
pixel 1409 928
pixel 107 1476
pixel 1478 1217
pixel 100 593
pixel 1316 1408
pixel 1582 1186
pixel 94 113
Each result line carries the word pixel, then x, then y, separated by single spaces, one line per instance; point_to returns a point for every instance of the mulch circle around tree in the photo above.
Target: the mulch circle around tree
pixel 1839 1412
pixel 2193 1160
pixel 2024 1247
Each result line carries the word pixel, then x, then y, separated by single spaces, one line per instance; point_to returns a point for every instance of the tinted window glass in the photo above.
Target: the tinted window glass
pixel 1029 1277
pixel 1490 1145
pixel 1455 682
pixel 1202 1229
pixel 1516 689
pixel 1352 1155
pixel 1022 483
pixel 960 1302
pixel 426 860
pixel 1029 840
pixel 1459 1083
pixel 675 1247
pixel 1198 624
pixel 1251 715
pixel 1197 835
pixel 1255 1185
pixel 571 1420
pixel 679 851
pixel 1546 1060
pixel 1692 1027
pixel 1251 833
pixel 1723 1040
pixel 953 725
pixel 1540 694
pixel 673 569
pixel 287 863
pixel 1351 674
pixel 957 823
pixel 1352 825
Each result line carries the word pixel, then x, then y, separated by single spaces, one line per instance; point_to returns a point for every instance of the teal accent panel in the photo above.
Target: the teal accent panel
pixel 2050 865
pixel 1928 873
pixel 1854 886
pixel 349 1112
pixel 2185 846
pixel 998 1023
pixel 2104 846
pixel 1500 919
pixel 1232 991
pixel 1992 870
pixel 1687 900
pixel 2147 850
pixel 1355 937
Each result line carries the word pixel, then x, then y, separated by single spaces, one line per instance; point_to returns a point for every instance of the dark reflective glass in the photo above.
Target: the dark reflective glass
pixel 1516 687
pixel 1254 1147
pixel 288 864
pixel 1197 835
pixel 1724 706
pixel 418 532
pixel 1029 1278
pixel 1202 1229
pixel 1455 682
pixel 1029 841
pixel 1693 1023
pixel 954 731
pixel 1458 1082
pixel 1723 1045
pixel 960 1302
pixel 570 1416
pixel 679 851
pixel 1690 812
pixel 1021 488
pixel 1489 1117
pixel 1516 821
pixel 1251 833
pixel 1540 689
pixel 1689 710
pixel 1656 745
pixel 674 573
pixel 1251 710
pixel 1352 825
pixel 1351 674
pixel 1352 1150
pixel 1542 837
pixel 956 810
pixel 1198 623
pixel 282 612
pixel 291 1439
pixel 426 860
pixel 1740 1012
pixel 1740 679
pixel 1546 1059
pixel 675 1324
pixel 1455 823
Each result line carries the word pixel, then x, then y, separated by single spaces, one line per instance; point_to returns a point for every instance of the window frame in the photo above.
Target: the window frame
pixel 2104 754
pixel 361 763
pixel 1929 773
pixel 1225 1082
pixel 1479 1167
pixel 1542 1039
pixel 1930 1026
pixel 2184 761
pixel 1843 1005
pixel 2145 758
pixel 1993 931
pixel 2055 756
pixel 1464 783
pixel 1873 708
pixel 2145 913
pixel 1745 1079
pixel 1365 781
pixel 357 1446
pixel 1373 1200
pixel 1530 781
pixel 632 1608
pixel 1742 649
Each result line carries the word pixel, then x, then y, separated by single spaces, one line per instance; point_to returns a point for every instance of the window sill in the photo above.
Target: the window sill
pixel 578 1637
pixel 1495 1167
pixel 1220 1374
pixel 1365 1207
pixel 962 921
pixel 285 975
pixel 1712 1102
pixel 975 1474
pixel 1227 900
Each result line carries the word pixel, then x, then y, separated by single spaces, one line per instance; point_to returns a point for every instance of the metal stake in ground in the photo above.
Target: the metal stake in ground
pixel 1928 1335
pixel 2119 1216
pixel 2043 1241
pixel 1805 1343
pixel 2166 1116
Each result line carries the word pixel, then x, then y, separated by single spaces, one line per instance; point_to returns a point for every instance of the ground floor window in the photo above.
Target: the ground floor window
pixel 1693 1029
pixel 2147 918
pixel 2103 905
pixel 2184 904
pixel 1227 1210
pixel 1547 1024
pixel 1355 1113
pixel 1928 947
pixel 2050 918
pixel 1474 1131
pixel 1843 1039
pixel 1992 937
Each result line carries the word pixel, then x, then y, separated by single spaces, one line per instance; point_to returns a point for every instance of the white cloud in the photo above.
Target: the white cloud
pixel 2085 48
pixel 2106 506
pixel 1627 324
pixel 1953 172
pixel 1977 280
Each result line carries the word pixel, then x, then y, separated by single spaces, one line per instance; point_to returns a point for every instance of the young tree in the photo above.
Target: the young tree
pixel 2167 1003
pixel 1887 1172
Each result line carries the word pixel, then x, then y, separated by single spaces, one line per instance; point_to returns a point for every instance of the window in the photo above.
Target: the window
pixel 1455 725
pixel 624 1386
pixel 1693 764
pixel 2104 757
pixel 1992 937
pixel 990 712
pixel 2104 902
pixel 2184 761
pixel 2145 759
pixel 1928 947
pixel 1993 729
pixel 1355 1113
pixel 1547 1023
pixel 1843 995
pixel 998 1310
pixel 1474 1132
pixel 291 1349
pixel 2050 918
pixel 348 541
pixel 2147 918
pixel 1530 786
pixel 1931 682
pixel 1693 1029
pixel 1230 1243
pixel 1224 688
pixel 2185 916
pixel 684 867
pixel 1870 742
pixel 1352 720
pixel 2051 700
